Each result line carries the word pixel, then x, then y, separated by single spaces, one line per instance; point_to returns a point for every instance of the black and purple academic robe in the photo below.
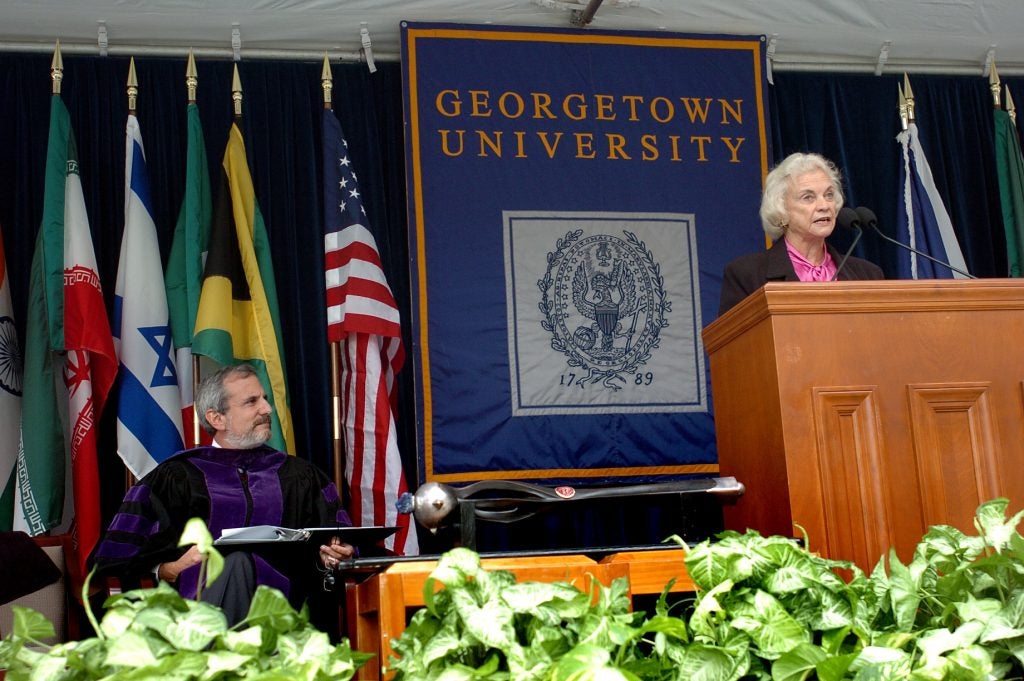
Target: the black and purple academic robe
pixel 226 488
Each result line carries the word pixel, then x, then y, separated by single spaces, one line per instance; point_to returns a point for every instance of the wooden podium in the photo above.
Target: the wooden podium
pixel 865 412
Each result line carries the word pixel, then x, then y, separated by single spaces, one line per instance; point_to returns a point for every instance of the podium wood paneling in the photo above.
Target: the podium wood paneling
pixel 849 458
pixel 866 412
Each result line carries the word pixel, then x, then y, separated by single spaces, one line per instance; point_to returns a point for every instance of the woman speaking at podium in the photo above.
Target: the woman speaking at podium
pixel 802 197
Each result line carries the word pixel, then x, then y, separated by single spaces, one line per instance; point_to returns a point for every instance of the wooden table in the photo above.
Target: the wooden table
pixel 650 571
pixel 377 608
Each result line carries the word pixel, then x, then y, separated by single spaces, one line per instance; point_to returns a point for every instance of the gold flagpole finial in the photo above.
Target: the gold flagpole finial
pixel 327 82
pixel 909 94
pixel 191 77
pixel 57 69
pixel 904 122
pixel 994 85
pixel 236 92
pixel 1010 108
pixel 133 86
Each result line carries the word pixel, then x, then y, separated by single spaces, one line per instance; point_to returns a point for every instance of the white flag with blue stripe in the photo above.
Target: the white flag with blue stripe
pixel 149 403
pixel 923 220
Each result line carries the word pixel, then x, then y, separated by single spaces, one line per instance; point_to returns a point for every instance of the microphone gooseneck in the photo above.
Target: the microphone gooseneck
pixel 848 219
pixel 868 218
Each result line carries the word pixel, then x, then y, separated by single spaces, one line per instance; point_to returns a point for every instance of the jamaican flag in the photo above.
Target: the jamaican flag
pixel 237 320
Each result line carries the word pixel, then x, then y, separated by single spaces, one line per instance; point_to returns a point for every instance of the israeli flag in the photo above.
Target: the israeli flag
pixel 149 403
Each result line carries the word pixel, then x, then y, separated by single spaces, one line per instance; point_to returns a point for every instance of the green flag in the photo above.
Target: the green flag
pixel 238 319
pixel 40 500
pixel 184 277
pixel 43 458
pixel 1010 167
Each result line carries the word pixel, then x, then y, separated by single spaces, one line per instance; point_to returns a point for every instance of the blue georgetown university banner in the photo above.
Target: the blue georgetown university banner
pixel 573 198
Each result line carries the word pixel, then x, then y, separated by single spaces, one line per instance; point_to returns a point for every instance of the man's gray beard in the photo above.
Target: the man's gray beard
pixel 249 440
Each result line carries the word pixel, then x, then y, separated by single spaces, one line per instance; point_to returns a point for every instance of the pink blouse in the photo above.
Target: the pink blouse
pixel 805 271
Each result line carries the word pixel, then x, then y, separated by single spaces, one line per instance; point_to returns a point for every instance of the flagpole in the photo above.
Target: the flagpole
pixel 132 90
pixel 191 86
pixel 370 346
pixel 327 82
pixel 90 359
pixel 236 93
pixel 994 86
pixel 57 69
pixel 909 95
pixel 191 78
pixel 933 227
pixel 132 87
pixel 239 242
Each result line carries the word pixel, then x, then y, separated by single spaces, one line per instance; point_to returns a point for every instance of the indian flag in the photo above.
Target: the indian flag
pixel 10 397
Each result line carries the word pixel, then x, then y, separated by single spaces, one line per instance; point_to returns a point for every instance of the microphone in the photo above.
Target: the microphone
pixel 867 217
pixel 848 219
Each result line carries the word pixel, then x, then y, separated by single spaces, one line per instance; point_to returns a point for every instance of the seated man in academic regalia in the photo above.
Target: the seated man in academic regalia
pixel 236 482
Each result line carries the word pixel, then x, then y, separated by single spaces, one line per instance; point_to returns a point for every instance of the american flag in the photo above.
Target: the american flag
pixel 363 317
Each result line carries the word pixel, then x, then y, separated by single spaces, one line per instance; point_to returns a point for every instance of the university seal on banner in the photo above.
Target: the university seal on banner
pixel 604 304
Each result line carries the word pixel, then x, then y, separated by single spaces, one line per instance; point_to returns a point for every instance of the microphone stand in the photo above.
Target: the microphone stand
pixel 880 233
pixel 839 268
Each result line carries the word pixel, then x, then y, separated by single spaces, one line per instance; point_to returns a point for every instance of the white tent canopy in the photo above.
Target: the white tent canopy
pixel 881 36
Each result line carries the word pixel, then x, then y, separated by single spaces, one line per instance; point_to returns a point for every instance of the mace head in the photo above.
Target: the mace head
pixel 431 504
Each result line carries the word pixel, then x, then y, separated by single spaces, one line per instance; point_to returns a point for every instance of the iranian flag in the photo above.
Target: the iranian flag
pixel 90 364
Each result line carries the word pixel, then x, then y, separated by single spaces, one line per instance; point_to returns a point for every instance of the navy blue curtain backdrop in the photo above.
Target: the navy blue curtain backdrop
pixel 849 118
pixel 853 120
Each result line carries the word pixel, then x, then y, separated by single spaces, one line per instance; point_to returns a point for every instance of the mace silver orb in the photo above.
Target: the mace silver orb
pixel 432 503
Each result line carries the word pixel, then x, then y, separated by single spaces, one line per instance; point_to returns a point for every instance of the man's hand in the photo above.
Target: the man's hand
pixel 336 551
pixel 169 572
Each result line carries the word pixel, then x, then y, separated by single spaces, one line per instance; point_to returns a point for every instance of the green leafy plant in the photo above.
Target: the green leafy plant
pixel 483 624
pixel 764 609
pixel 157 634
